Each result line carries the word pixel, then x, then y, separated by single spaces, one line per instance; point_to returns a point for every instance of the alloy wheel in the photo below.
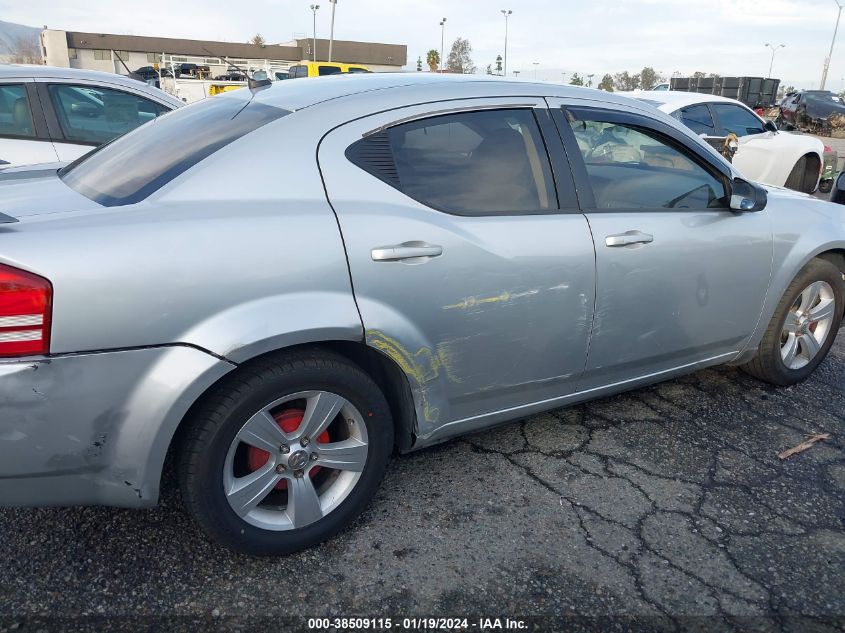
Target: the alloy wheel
pixel 295 460
pixel 808 324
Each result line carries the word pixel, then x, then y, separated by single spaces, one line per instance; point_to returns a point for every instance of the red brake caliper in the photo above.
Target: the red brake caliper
pixel 289 421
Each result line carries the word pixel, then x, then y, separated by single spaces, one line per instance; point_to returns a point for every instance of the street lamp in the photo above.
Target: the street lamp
pixel 442 40
pixel 331 33
pixel 590 80
pixel 535 69
pixel 563 76
pixel 314 8
pixel 506 13
pixel 516 73
pixel 774 50
pixel 830 54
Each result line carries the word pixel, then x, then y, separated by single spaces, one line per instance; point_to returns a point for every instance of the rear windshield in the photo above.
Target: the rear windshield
pixel 134 165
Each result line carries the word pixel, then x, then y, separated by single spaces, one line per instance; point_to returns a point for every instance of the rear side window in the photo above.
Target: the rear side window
pixel 736 119
pixel 698 119
pixel 298 71
pixel 15 113
pixel 135 165
pixel 635 168
pixel 469 163
pixel 90 114
pixel 357 69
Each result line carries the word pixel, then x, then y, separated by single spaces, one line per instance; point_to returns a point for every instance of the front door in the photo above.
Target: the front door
pixel 680 277
pixel 470 269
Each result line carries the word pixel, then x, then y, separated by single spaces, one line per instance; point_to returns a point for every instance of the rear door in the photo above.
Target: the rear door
pixel 81 115
pixel 680 277
pixel 470 269
pixel 24 139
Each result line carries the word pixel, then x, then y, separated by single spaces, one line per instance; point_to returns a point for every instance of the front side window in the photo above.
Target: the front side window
pixel 469 163
pixel 698 119
pixel 738 120
pixel 90 114
pixel 15 113
pixel 630 167
pixel 135 165
pixel 328 70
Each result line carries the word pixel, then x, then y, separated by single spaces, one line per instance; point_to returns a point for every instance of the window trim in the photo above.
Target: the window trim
pixel 706 106
pixel 36 111
pixel 672 137
pixel 559 171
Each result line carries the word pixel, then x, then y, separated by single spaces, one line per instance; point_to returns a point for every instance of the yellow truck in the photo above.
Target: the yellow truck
pixel 320 69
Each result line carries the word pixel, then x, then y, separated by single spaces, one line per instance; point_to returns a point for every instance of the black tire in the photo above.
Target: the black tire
pixel 795 180
pixel 768 364
pixel 214 424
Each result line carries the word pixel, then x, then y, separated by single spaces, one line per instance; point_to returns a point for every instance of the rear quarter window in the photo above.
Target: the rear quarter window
pixel 135 165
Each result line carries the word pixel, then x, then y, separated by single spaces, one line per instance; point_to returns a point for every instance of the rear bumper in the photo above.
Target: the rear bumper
pixel 95 428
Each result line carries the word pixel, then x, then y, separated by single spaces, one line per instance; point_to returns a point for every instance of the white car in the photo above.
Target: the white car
pixel 52 114
pixel 764 155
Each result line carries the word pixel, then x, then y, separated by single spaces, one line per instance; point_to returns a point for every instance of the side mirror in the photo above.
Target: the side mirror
pixel 837 194
pixel 770 126
pixel 747 196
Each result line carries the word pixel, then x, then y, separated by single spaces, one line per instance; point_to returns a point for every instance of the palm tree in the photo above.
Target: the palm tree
pixel 432 58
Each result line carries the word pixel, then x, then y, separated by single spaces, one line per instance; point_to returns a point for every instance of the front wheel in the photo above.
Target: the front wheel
pixel 285 453
pixel 803 327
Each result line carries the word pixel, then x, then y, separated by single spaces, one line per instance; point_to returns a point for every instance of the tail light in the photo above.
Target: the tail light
pixel 26 302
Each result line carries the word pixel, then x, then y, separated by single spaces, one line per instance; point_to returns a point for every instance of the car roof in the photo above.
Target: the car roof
pixel 671 100
pixel 305 92
pixel 25 71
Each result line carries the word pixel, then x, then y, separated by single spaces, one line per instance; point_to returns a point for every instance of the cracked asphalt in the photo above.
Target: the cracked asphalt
pixel 663 505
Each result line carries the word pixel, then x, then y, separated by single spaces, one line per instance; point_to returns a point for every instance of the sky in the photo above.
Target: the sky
pixel 726 37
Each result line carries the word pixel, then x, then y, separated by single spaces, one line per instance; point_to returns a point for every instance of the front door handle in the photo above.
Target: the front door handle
pixel 627 238
pixel 406 250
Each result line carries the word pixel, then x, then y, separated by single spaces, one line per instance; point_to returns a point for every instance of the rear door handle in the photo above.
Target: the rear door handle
pixel 406 250
pixel 627 238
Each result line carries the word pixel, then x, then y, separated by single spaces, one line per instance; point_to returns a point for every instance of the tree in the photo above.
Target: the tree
pixel 649 78
pixel 498 64
pixel 576 80
pixel 258 40
pixel 699 75
pixel 432 58
pixel 460 57
pixel 606 83
pixel 25 50
pixel 419 64
pixel 625 82
pixel 489 69
pixel 784 90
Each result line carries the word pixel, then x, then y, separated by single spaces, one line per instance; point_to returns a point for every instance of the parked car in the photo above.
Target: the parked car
pixel 58 114
pixel 455 254
pixel 193 71
pixel 321 69
pixel 149 73
pixel 763 153
pixel 817 111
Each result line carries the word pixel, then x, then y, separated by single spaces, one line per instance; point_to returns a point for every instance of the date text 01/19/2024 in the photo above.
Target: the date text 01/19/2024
pixel 417 624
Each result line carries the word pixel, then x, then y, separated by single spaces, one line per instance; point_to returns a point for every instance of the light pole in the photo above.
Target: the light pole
pixel 774 50
pixel 516 73
pixel 830 54
pixel 590 80
pixel 331 33
pixel 535 69
pixel 442 41
pixel 314 8
pixel 506 13
pixel 563 76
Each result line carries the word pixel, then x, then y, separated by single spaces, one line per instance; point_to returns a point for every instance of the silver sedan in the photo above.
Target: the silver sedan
pixel 279 287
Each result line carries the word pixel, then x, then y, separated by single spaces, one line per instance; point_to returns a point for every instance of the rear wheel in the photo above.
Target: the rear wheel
pixel 803 327
pixel 285 453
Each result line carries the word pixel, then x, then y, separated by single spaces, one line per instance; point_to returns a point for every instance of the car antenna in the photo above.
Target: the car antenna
pixel 251 83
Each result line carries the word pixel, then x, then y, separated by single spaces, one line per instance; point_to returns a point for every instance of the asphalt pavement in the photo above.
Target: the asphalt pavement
pixel 668 505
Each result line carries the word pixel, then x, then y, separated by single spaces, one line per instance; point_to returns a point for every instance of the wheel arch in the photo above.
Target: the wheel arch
pixel 380 368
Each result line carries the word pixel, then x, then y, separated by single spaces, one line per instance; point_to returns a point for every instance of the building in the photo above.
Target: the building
pixel 104 51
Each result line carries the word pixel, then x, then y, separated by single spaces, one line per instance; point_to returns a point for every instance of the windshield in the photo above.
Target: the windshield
pixel 134 165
